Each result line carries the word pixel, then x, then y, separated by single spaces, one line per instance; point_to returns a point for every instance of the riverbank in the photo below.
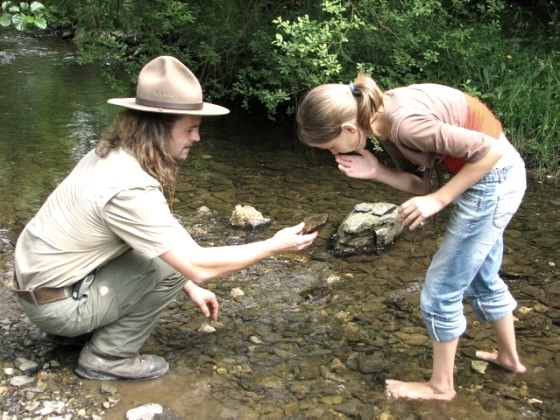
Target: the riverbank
pixel 306 336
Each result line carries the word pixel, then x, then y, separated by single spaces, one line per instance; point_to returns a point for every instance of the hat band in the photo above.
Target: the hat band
pixel 168 105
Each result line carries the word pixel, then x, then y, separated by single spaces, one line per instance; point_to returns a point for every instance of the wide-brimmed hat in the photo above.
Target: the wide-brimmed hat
pixel 166 85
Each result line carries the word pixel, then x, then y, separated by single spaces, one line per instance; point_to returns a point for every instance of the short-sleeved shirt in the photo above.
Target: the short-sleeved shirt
pixel 432 123
pixel 103 208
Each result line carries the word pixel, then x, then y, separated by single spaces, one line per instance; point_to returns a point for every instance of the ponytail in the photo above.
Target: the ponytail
pixel 369 98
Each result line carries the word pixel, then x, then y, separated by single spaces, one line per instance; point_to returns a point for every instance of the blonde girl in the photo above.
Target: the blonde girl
pixel 422 127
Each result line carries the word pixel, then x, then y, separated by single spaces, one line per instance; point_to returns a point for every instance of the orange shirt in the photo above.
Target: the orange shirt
pixel 479 118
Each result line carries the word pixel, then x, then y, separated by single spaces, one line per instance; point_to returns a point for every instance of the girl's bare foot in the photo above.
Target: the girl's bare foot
pixel 495 358
pixel 416 391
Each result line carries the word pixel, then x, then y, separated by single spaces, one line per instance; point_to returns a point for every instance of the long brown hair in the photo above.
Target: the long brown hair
pixel 325 108
pixel 146 135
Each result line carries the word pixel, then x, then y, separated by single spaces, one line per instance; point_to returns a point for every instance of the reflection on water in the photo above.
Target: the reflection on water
pixel 312 337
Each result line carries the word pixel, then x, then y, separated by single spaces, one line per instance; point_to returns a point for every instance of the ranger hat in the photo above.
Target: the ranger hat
pixel 166 85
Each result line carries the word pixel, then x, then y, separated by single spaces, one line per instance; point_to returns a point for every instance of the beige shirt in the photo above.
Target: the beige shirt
pixel 428 121
pixel 102 209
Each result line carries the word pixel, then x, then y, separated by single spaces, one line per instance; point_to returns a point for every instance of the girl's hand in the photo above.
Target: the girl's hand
pixel 418 209
pixel 361 166
pixel 204 299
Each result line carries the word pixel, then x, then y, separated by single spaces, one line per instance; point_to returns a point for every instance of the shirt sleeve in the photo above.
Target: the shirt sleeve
pixel 142 219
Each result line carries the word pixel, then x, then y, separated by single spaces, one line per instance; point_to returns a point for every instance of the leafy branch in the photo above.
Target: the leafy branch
pixel 23 16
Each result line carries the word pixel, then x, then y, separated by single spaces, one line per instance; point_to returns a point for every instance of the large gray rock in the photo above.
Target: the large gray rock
pixel 368 228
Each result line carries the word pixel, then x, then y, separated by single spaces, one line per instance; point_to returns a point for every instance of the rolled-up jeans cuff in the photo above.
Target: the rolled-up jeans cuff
pixel 442 328
pixel 493 308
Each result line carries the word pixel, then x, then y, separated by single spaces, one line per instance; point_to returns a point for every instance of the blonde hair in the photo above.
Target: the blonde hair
pixel 325 108
pixel 146 136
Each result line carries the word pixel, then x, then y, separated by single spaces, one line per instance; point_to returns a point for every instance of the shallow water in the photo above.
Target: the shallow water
pixel 312 336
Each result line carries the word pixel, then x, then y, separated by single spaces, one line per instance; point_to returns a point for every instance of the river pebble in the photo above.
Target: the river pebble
pixel 151 411
pixel 25 365
pixel 108 389
pixel 237 292
pixel 21 380
pixel 207 328
pixel 479 366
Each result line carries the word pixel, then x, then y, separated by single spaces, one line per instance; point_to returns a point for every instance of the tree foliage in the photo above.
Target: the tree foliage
pixel 23 15
pixel 266 53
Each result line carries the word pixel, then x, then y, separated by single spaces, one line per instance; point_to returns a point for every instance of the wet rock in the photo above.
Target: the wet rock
pixel 540 308
pixel 25 365
pixel 479 366
pixel 332 400
pixel 366 363
pixel 315 222
pixel 256 340
pixel 534 401
pixel 108 389
pixel 368 228
pixel 207 328
pixel 21 380
pixel 328 374
pixel 412 339
pixel 319 294
pixel 247 217
pixel 203 210
pixel 284 354
pixel 299 389
pixel 237 292
pixel 151 412
pixel 337 366
pixel 343 315
pixel 406 299
pixel 333 279
pixel 356 410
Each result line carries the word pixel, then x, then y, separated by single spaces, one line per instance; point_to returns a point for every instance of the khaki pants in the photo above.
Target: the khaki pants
pixel 122 306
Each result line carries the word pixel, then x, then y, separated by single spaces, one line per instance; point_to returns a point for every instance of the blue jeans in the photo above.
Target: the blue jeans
pixel 469 258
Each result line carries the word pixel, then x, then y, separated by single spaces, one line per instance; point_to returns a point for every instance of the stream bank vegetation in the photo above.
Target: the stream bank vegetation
pixel 263 54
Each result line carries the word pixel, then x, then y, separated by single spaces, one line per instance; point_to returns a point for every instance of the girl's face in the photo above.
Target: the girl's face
pixel 184 134
pixel 351 139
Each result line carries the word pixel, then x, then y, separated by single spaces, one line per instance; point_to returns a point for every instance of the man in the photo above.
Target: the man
pixel 104 255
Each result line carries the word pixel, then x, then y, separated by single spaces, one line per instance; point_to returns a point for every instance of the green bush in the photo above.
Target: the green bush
pixel 467 44
pixel 304 52
pixel 265 54
pixel 23 16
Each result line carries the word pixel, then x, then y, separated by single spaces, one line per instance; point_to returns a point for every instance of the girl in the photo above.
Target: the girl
pixel 421 126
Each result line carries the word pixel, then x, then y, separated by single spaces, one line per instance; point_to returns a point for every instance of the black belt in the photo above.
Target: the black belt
pixel 43 294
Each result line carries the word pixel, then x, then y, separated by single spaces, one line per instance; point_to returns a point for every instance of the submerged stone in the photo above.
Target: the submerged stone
pixel 20 380
pixel 151 411
pixel 479 366
pixel 247 217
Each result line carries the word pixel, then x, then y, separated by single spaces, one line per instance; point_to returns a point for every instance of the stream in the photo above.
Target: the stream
pixel 300 336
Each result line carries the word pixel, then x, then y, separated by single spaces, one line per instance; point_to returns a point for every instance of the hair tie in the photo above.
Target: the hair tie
pixel 353 90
